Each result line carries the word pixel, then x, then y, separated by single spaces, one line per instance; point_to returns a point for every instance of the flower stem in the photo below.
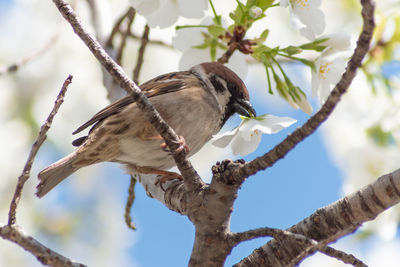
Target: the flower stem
pixel 218 18
pixel 280 68
pixel 291 57
pixel 269 80
pixel 240 5
pixel 189 26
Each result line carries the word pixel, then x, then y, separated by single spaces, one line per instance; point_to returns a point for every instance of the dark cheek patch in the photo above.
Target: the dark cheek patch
pixel 219 87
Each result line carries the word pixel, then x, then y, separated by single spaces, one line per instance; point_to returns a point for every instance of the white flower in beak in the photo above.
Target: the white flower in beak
pixel 245 138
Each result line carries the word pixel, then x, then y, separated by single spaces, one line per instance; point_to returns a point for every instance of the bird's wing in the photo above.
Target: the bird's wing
pixel 163 84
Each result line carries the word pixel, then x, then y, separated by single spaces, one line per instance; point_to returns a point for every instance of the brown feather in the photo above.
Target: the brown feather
pixel 151 88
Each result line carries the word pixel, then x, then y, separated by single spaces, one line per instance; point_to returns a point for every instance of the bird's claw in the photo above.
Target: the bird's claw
pixel 182 146
pixel 168 176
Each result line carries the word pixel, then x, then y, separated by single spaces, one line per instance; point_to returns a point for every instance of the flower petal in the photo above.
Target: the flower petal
pixel 145 7
pixel 337 42
pixel 165 16
pixel 193 56
pixel 273 124
pixel 243 147
pixel 223 140
pixel 187 37
pixel 304 104
pixel 192 8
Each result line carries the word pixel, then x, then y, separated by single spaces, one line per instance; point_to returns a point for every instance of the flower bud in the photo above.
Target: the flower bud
pixel 255 12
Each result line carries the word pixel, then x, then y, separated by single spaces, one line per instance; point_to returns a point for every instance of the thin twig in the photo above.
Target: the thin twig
pixel 228 53
pixel 45 48
pixel 283 148
pixel 342 256
pixel 117 26
pixel 129 203
pixel 191 178
pixel 313 245
pixel 35 148
pixel 139 62
pixel 131 17
pixel 44 254
pixel 96 18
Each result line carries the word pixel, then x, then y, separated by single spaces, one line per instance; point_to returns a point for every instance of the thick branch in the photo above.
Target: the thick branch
pixel 45 255
pixel 35 148
pixel 330 223
pixel 171 193
pixel 280 150
pixel 192 179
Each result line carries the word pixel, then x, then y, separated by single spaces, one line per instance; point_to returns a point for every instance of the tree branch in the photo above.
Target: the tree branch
pixel 125 34
pixel 35 148
pixel 342 256
pixel 95 18
pixel 330 223
pixel 45 48
pixel 283 234
pixel 117 26
pixel 191 178
pixel 14 233
pixel 43 254
pixel 280 150
pixel 143 43
pixel 129 203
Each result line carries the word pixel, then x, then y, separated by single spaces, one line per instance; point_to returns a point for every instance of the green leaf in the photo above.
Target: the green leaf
pixel 264 34
pixel 217 20
pixel 216 30
pixel 264 3
pixel 251 3
pixel 380 137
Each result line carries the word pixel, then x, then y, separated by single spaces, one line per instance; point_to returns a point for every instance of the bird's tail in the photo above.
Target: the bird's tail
pixel 55 173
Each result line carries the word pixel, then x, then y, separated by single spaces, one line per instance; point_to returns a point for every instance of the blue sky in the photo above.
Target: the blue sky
pixel 278 197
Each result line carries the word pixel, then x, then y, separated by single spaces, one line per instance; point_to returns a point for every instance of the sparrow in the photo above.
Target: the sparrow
pixel 195 103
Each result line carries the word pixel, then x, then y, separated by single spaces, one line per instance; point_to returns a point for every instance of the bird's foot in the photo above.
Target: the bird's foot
pixel 165 175
pixel 168 176
pixel 182 146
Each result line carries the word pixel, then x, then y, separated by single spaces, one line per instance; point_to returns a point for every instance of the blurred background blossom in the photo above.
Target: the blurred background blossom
pixel 83 218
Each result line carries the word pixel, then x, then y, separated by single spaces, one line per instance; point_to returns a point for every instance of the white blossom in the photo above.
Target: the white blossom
pixel 245 138
pixel 164 13
pixel 304 104
pixel 306 16
pixel 328 70
pixel 335 43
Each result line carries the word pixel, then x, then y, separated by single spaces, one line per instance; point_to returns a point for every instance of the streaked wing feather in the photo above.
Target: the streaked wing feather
pixel 166 83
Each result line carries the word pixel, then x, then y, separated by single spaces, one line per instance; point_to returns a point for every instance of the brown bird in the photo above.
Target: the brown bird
pixel 195 103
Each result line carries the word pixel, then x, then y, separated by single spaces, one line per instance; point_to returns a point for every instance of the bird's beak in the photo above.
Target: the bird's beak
pixel 244 108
